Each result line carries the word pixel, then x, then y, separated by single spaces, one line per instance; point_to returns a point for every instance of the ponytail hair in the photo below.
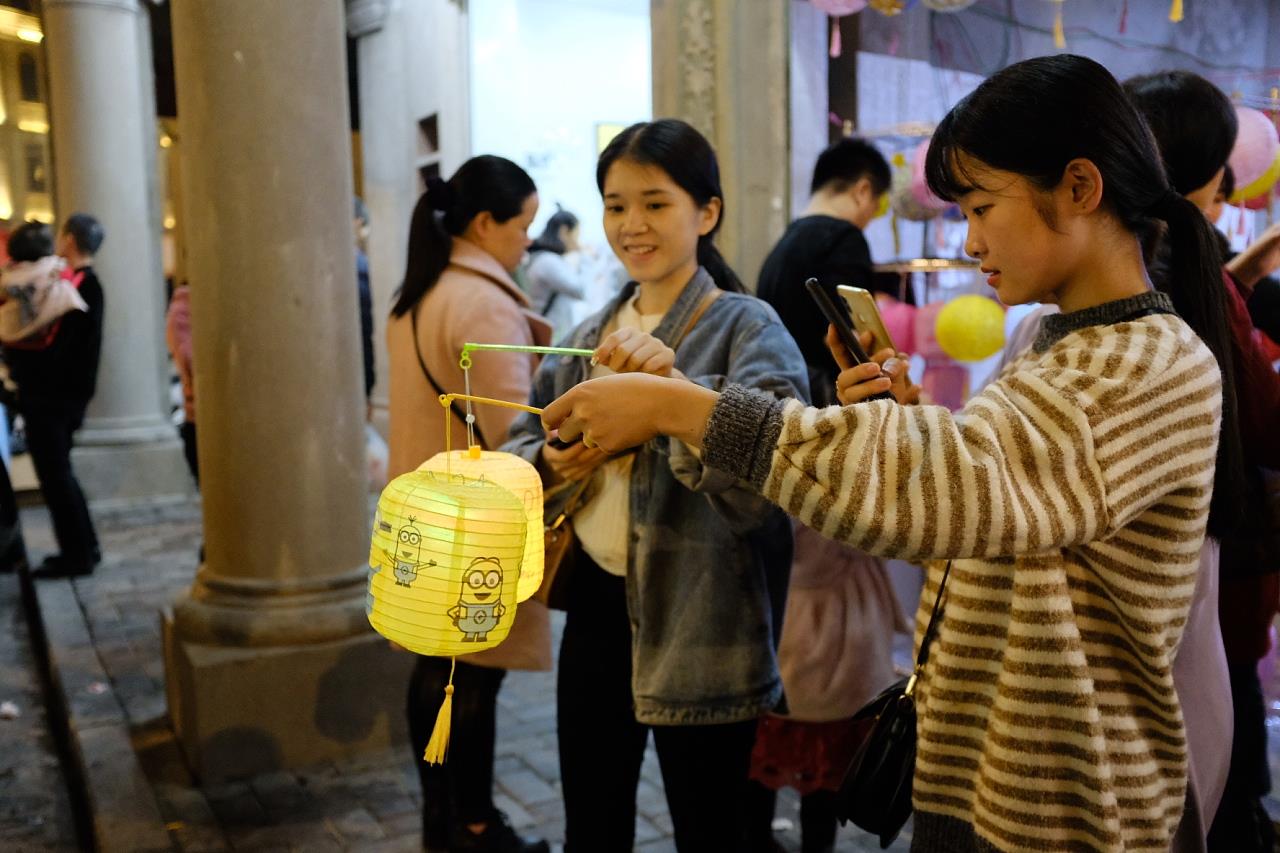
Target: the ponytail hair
pixel 484 183
pixel 689 160
pixel 1036 116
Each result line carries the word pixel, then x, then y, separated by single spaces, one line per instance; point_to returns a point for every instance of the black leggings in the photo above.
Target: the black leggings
pixel 704 768
pixel 49 438
pixel 460 791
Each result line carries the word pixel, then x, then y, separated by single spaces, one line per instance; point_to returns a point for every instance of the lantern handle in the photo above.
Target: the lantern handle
pixel 469 348
pixel 446 400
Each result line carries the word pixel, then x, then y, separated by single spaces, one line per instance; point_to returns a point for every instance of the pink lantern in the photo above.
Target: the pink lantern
pixel 1255 160
pixel 839 8
pixel 919 187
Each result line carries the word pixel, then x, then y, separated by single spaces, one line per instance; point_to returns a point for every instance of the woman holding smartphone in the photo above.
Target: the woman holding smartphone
pixel 1073 494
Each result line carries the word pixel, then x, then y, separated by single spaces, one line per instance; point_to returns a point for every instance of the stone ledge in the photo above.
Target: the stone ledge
pixel 124 814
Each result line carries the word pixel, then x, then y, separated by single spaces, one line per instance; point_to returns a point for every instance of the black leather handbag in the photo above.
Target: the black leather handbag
pixel 876 792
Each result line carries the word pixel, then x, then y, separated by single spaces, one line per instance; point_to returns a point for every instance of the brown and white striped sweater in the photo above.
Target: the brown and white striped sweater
pixel 1073 494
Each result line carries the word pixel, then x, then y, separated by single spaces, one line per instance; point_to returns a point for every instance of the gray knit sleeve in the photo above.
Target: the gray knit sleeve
pixel 742 434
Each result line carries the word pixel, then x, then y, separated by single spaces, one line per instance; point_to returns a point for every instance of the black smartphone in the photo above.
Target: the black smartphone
pixel 844 328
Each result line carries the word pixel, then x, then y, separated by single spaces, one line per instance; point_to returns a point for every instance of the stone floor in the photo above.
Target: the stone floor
pixel 35 813
pixel 366 805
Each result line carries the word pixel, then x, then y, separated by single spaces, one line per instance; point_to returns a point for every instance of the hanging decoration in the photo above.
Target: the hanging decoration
pixel 443 572
pixel 1175 11
pixel 505 469
pixel 840 8
pixel 1255 159
pixel 891 7
pixel 448 548
pixel 919 186
pixel 516 476
pixel 911 198
pixel 947 5
pixel 970 328
pixel 1059 32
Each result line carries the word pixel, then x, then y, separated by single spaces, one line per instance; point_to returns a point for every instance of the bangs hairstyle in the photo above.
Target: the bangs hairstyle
pixel 1036 116
pixel 690 162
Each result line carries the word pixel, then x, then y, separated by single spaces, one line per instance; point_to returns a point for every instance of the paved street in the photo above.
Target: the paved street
pixel 367 805
pixel 34 811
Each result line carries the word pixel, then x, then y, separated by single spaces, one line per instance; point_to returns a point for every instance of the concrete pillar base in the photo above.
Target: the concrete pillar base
pixel 111 473
pixel 241 711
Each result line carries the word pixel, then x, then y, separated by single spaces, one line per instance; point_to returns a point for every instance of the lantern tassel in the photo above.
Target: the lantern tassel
pixel 836 47
pixel 438 744
pixel 1059 34
pixel 1175 11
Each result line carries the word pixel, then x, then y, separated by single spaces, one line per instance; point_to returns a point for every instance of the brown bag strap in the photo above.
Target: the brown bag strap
pixel 572 503
pixel 712 296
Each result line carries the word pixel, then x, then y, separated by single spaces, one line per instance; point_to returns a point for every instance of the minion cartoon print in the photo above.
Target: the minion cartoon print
pixel 408 548
pixel 478 609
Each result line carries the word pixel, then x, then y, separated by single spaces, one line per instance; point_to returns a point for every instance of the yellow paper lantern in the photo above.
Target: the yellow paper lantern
pixel 445 563
pixel 970 328
pixel 516 476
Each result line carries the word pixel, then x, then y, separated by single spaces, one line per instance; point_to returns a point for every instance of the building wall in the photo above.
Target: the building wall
pixel 548 79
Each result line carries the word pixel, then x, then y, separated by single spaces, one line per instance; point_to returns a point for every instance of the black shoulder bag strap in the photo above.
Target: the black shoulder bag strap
pixel 453 404
pixel 922 657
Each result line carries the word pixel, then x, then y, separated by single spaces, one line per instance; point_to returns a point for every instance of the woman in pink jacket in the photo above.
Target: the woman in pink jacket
pixel 466 236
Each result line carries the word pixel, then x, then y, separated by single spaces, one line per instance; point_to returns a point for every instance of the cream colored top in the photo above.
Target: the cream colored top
pixel 603 522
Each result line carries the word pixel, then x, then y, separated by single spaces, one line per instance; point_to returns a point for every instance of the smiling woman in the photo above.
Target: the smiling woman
pixel 675 599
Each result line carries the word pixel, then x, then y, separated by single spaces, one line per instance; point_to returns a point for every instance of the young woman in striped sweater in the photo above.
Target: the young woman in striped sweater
pixel 1073 493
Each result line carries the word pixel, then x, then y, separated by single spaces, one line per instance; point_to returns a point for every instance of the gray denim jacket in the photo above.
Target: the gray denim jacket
pixel 709 558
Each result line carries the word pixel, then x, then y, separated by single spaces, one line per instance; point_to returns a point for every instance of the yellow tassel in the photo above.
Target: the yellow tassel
pixel 1175 13
pixel 438 744
pixel 1059 34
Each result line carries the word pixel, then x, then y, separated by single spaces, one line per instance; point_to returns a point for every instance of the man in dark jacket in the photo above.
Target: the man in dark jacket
pixel 55 385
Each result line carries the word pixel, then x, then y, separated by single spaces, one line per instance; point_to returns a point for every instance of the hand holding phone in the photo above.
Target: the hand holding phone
pixel 840 321
pixel 866 316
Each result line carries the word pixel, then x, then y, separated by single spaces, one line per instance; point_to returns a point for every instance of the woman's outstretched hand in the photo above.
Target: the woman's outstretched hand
pixel 633 351
pixel 886 372
pixel 615 413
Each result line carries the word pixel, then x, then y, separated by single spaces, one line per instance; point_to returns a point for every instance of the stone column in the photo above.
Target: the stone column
pixel 102 117
pixel 723 68
pixel 270 661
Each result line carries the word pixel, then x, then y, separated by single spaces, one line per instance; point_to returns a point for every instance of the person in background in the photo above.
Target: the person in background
pixel 836 651
pixel 55 385
pixel 1255 267
pixel 466 237
pixel 554 285
pixel 1195 154
pixel 849 181
pixel 177 336
pixel 360 223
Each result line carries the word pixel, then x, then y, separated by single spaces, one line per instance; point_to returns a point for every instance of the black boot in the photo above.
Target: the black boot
pixel 498 837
